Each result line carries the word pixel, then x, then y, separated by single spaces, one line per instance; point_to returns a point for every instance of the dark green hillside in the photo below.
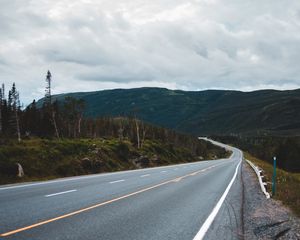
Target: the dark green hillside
pixel 204 112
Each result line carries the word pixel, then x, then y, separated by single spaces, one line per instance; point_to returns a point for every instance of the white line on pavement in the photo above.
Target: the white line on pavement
pixel 200 235
pixel 59 193
pixel 163 171
pixel 122 180
pixel 146 175
pixel 79 178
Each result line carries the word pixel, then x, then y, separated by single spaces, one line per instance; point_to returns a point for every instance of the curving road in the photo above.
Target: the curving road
pixel 186 201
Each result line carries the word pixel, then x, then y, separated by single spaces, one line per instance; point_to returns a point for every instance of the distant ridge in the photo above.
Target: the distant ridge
pixel 206 112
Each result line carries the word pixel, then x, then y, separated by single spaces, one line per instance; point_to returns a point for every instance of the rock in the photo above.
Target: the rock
pixel 98 164
pixel 155 158
pixel 141 162
pixel 96 151
pixel 20 170
pixel 86 163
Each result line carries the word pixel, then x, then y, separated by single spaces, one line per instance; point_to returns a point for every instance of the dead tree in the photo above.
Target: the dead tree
pixel 48 100
pixel 137 127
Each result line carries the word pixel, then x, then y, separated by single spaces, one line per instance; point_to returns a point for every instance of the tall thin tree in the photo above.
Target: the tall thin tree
pixel 48 88
pixel 48 101
pixel 15 105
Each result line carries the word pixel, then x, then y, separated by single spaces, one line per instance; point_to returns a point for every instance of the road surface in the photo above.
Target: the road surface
pixel 186 201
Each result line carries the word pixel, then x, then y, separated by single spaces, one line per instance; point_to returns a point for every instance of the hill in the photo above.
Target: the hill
pixel 52 158
pixel 220 112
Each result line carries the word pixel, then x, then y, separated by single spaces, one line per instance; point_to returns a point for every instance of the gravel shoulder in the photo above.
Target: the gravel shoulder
pixel 265 218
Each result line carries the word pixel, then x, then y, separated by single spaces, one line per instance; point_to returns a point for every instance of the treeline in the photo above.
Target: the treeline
pixel 10 111
pixel 286 149
pixel 59 120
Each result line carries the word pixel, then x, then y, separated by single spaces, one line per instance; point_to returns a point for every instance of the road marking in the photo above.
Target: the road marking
pixel 200 235
pixel 92 207
pixel 175 169
pixel 146 175
pixel 122 180
pixel 163 171
pixel 193 174
pixel 178 179
pixel 59 193
pixel 95 176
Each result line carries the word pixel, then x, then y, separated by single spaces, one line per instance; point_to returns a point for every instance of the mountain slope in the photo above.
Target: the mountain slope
pixel 202 112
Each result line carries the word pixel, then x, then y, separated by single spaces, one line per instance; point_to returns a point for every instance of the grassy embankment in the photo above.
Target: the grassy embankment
pixel 44 159
pixel 288 184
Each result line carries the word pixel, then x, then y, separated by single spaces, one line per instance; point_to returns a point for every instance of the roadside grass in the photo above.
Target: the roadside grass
pixel 44 159
pixel 287 184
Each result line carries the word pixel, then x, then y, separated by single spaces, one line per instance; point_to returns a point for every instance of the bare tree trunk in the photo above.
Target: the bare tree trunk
pixel 137 133
pixel 69 130
pixel 121 131
pixel 18 126
pixel 144 135
pixel 74 130
pixel 55 125
pixel 79 125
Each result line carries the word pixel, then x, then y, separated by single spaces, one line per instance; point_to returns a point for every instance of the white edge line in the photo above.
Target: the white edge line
pixel 146 175
pixel 262 186
pixel 200 235
pixel 23 185
pixel 83 177
pixel 122 180
pixel 59 193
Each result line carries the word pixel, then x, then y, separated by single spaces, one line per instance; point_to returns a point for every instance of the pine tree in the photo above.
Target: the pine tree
pixel 15 108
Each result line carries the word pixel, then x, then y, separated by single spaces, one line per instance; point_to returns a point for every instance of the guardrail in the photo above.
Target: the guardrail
pixel 261 183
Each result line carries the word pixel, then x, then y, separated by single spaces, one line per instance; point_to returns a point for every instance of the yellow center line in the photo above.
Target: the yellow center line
pixel 99 204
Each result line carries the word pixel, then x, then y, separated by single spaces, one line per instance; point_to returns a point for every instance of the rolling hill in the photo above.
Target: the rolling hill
pixel 209 112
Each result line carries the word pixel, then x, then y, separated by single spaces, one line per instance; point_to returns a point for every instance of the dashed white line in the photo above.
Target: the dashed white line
pixel 200 235
pixel 146 175
pixel 122 180
pixel 59 193
pixel 163 171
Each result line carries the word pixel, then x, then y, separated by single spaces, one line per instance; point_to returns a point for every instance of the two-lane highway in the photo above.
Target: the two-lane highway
pixel 172 202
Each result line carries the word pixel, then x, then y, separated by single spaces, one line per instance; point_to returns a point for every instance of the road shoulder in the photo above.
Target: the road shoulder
pixel 265 218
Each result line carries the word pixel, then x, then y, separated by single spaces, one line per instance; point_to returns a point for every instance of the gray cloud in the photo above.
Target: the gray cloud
pixel 194 44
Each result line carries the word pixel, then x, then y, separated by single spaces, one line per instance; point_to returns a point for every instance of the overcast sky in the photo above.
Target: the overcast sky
pixel 178 44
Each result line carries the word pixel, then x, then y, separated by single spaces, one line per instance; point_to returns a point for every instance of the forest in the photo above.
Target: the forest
pixel 56 139
pixel 285 149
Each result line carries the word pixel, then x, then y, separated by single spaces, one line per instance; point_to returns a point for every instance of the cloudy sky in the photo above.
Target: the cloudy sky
pixel 178 44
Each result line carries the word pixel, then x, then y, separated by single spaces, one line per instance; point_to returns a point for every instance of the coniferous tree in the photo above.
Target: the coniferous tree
pixel 14 102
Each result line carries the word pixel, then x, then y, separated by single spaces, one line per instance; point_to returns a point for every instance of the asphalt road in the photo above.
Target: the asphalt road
pixel 187 201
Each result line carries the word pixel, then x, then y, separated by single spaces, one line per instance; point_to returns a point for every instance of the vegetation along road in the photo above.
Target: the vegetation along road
pixel 180 201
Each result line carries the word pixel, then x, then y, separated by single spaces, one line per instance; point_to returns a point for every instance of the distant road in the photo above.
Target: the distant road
pixel 186 201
